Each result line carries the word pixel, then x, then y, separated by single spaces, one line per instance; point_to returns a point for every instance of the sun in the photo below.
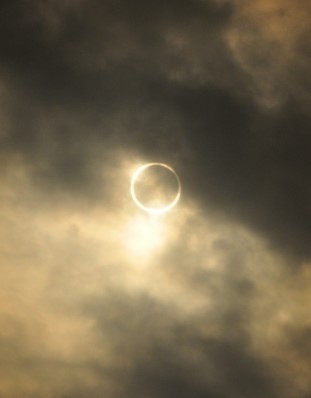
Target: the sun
pixel 155 188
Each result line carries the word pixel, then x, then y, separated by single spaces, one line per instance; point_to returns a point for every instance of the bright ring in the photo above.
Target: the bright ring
pixel 154 210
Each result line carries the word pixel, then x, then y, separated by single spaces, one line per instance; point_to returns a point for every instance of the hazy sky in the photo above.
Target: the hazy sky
pixel 100 299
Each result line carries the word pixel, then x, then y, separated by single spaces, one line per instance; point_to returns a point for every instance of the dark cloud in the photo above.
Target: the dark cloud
pixel 163 355
pixel 163 374
pixel 254 166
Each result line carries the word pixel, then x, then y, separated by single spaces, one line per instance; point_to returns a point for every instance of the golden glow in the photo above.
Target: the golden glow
pixel 150 209
pixel 144 235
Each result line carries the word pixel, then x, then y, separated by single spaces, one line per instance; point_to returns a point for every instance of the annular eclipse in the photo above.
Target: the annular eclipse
pixel 164 207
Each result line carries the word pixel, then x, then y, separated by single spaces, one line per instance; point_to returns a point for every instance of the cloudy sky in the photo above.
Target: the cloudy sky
pixel 101 299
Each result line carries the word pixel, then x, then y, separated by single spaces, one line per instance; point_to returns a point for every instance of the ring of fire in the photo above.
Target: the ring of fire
pixel 154 210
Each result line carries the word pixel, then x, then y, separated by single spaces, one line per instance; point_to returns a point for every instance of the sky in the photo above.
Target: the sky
pixel 102 299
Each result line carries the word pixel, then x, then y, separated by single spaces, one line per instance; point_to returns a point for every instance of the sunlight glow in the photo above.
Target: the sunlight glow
pixel 144 235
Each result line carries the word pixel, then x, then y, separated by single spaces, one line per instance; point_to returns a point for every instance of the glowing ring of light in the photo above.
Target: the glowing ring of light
pixel 154 210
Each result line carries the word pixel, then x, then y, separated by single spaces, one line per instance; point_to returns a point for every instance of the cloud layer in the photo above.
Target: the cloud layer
pixel 99 299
